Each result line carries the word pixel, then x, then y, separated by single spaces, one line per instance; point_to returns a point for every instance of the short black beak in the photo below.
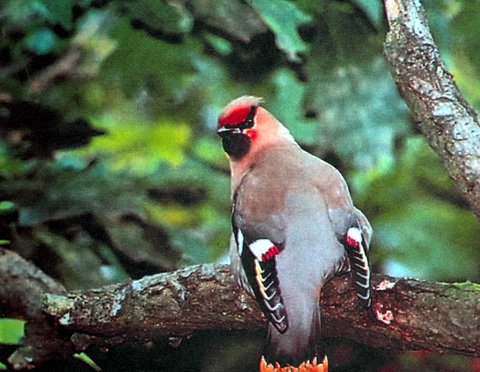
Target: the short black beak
pixel 226 130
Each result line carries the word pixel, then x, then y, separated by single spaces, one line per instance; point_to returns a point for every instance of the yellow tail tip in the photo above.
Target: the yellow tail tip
pixel 306 366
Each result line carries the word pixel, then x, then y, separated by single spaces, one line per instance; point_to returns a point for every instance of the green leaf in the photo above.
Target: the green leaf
pixel 221 45
pixel 210 149
pixel 143 145
pixel 60 11
pixel 42 41
pixel 21 13
pixel 466 48
pixel 201 230
pixel 417 219
pixel 312 7
pixel 86 359
pixel 59 191
pixel 334 44
pixel 6 205
pixel 284 18
pixel 11 331
pixel 232 17
pixel 287 104
pixel 160 15
pixel 359 124
pixel 140 61
pixel 373 9
pixel 416 173
pixel 426 231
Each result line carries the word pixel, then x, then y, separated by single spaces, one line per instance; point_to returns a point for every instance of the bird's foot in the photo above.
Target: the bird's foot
pixel 307 366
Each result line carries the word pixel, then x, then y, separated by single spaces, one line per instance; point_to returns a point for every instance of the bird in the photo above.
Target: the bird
pixel 294 227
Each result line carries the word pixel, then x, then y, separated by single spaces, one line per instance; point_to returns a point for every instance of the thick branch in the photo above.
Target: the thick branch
pixel 443 115
pixel 414 314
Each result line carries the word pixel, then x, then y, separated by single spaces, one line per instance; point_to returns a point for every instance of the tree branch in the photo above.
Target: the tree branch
pixel 443 115
pixel 407 313
pixel 22 285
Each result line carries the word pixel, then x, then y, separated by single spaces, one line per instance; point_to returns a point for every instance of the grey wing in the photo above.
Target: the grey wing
pixel 365 227
pixel 354 232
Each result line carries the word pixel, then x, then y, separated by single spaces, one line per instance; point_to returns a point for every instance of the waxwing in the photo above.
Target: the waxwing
pixel 294 228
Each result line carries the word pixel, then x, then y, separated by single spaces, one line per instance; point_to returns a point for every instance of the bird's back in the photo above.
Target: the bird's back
pixel 294 214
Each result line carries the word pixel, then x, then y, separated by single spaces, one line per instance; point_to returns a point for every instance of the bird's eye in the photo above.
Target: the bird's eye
pixel 248 122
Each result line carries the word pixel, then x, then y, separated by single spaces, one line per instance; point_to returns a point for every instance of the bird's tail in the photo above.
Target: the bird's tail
pixel 298 343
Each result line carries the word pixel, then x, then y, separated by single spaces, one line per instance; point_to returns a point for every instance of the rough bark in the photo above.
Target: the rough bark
pixel 407 313
pixel 443 115
pixel 22 286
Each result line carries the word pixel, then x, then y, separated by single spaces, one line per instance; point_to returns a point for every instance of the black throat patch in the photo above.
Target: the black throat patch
pixel 236 145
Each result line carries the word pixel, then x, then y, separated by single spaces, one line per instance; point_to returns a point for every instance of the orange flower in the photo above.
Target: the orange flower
pixel 304 367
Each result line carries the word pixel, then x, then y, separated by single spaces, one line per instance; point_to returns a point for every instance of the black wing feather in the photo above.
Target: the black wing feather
pixel 360 269
pixel 262 277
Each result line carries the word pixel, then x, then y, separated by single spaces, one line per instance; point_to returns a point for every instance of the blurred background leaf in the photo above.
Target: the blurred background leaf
pixel 110 167
pixel 11 331
pixel 284 18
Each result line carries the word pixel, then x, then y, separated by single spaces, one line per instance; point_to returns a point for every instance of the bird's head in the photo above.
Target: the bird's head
pixel 245 128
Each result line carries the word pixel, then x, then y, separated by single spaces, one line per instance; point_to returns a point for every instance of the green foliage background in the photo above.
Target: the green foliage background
pixel 109 163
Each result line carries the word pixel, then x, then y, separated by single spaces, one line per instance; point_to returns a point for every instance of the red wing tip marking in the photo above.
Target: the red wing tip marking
pixel 272 251
pixel 263 249
pixel 354 237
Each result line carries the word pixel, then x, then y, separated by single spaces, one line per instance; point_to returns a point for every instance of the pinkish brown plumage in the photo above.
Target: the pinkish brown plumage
pixel 293 224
